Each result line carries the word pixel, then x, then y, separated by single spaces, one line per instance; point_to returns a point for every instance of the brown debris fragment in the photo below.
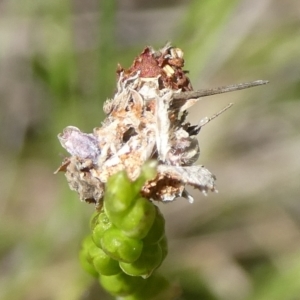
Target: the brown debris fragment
pixel 166 64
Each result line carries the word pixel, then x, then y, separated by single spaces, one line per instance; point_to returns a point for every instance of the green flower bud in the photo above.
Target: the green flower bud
pixel 157 230
pixel 103 223
pixel 138 221
pixel 163 243
pixel 105 265
pixel 94 220
pixel 155 287
pixel 148 172
pixel 149 260
pixel 86 264
pixel 119 195
pixel 121 284
pixel 88 244
pixel 121 247
pixel 92 251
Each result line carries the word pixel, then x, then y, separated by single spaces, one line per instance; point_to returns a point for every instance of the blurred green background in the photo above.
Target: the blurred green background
pixel 57 66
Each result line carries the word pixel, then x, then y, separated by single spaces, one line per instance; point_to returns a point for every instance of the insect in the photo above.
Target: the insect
pixel 146 119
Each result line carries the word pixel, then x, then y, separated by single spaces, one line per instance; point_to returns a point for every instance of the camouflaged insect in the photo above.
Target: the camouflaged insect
pixel 145 120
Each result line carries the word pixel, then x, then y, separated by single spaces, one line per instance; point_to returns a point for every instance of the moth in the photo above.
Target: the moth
pixel 145 120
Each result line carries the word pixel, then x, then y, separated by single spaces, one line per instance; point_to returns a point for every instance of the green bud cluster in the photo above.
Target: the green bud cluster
pixel 128 240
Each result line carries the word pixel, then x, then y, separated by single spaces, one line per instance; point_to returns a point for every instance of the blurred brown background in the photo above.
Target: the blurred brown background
pixel 57 66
